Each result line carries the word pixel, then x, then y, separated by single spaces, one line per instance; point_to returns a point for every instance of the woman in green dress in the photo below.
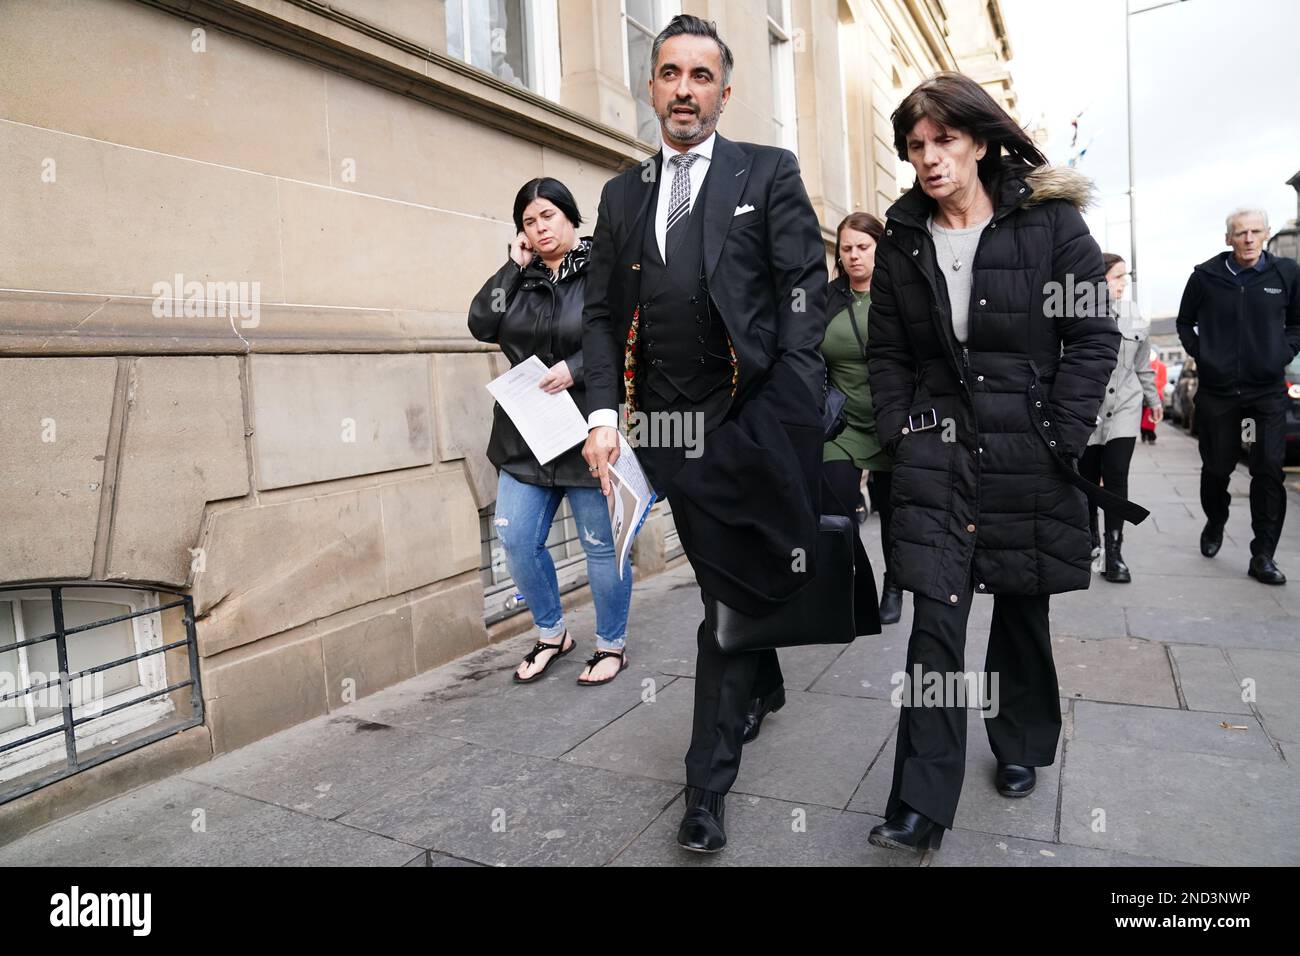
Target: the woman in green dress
pixel 857 448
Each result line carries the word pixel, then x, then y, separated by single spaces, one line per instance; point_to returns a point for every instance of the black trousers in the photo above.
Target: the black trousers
pixel 840 497
pixel 1108 466
pixel 878 490
pixel 1220 424
pixel 843 482
pixel 930 755
pixel 882 482
pixel 724 683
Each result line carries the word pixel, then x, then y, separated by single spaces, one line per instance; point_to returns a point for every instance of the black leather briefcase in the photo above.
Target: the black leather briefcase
pixel 820 613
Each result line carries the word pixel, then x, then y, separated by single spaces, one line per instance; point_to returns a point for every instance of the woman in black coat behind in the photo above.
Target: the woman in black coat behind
pixel 987 367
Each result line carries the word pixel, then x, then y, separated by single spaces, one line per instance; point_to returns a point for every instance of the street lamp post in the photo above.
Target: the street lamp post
pixel 1132 188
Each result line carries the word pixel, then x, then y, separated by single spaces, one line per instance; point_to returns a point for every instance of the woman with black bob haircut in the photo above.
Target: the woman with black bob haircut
pixel 533 306
pixel 985 390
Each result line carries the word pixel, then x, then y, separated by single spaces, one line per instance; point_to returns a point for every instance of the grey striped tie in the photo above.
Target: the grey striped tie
pixel 679 201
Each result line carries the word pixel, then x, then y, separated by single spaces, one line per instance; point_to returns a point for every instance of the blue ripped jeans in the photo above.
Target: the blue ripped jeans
pixel 523 520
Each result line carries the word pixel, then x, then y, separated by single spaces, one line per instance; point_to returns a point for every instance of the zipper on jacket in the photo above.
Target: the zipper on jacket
pixel 950 338
pixel 1241 324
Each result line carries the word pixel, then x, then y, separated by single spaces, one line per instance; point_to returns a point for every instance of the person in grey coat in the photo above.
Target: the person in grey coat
pixel 1132 385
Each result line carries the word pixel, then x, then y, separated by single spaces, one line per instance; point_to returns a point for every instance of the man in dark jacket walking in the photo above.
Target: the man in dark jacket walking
pixel 1240 320
pixel 706 288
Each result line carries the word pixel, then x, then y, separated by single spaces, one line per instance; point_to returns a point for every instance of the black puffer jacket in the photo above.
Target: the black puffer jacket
pixel 982 494
pixel 1242 336
pixel 527 313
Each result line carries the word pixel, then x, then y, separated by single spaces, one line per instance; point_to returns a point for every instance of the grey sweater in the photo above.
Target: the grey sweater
pixel 952 246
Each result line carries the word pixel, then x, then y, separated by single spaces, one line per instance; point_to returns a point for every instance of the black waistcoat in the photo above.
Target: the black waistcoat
pixel 682 353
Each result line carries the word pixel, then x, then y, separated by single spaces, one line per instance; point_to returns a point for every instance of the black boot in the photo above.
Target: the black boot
pixel 891 602
pixel 1094 536
pixel 907 829
pixel 1116 570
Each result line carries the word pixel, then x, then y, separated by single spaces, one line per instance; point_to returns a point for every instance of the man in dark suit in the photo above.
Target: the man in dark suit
pixel 707 275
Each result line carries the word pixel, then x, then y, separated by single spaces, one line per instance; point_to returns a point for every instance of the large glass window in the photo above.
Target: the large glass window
pixel 515 40
pixel 781 55
pixel 642 21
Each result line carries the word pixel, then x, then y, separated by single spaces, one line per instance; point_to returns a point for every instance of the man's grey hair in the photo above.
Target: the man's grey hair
pixel 684 23
pixel 1243 211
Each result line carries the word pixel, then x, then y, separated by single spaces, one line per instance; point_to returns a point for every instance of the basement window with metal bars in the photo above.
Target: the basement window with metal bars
pixel 501 598
pixel 88 673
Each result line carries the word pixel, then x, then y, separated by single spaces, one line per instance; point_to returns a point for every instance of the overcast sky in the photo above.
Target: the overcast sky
pixel 1216 117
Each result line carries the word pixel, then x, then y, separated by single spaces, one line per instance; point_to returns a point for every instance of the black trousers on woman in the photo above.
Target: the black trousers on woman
pixel 1108 465
pixel 882 482
pixel 841 482
pixel 1022 693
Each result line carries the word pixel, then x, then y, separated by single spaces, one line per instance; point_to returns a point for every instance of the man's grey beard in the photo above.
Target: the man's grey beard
pixel 694 134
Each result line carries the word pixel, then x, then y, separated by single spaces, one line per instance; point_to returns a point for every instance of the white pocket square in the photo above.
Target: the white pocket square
pixel 741 210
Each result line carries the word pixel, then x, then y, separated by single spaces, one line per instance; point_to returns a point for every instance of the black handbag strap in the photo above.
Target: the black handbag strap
pixel 853 320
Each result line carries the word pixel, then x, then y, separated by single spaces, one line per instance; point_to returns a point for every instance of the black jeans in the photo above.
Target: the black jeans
pixel 1220 423
pixel 1108 465
pixel 930 755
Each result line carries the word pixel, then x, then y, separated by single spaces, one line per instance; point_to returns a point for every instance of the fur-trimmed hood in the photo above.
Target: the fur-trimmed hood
pixel 1059 182
pixel 1012 187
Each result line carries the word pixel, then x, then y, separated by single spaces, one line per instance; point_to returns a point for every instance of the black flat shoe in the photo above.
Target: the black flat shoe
pixel 1263 569
pixel 759 708
pixel 891 604
pixel 1013 780
pixel 907 830
pixel 596 659
pixel 541 647
pixel 1211 539
pixel 701 830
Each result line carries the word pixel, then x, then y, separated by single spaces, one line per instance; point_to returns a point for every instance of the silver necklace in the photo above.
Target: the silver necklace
pixel 956 261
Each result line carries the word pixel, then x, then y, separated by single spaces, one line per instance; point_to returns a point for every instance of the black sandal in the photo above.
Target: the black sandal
pixel 596 659
pixel 531 657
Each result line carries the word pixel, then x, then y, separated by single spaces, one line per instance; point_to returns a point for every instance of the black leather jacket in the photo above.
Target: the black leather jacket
pixel 541 317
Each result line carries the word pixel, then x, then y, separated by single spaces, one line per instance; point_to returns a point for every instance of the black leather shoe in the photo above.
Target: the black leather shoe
pixel 1263 569
pixel 891 603
pixel 1211 539
pixel 1116 571
pixel 759 708
pixel 701 830
pixel 1013 780
pixel 907 829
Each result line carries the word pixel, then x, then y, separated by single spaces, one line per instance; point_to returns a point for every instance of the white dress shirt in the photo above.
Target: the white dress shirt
pixel 699 169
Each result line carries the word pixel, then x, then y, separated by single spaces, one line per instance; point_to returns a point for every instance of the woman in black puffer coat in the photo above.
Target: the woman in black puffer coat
pixel 987 366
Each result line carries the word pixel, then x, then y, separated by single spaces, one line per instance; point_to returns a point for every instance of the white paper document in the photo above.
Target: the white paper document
pixel 630 499
pixel 550 424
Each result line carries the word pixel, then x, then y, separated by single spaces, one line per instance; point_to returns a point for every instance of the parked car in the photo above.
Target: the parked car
pixel 1293 412
pixel 1173 371
pixel 1181 406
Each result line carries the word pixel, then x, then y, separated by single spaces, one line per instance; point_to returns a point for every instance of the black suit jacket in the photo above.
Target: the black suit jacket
pixel 765 269
pixel 766 276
